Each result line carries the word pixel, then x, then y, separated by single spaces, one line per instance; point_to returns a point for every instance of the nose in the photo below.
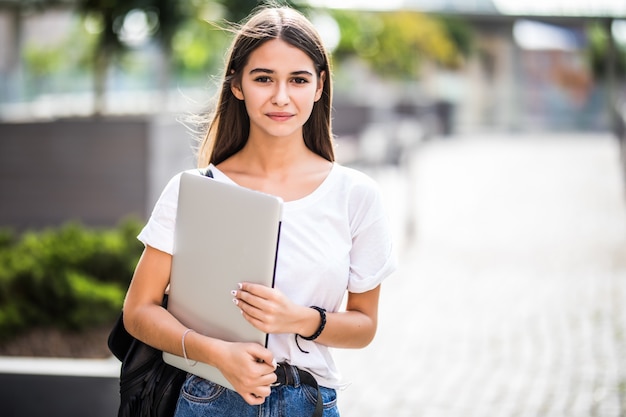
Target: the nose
pixel 281 95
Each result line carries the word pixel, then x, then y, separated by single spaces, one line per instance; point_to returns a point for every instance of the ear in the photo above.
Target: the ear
pixel 320 85
pixel 235 88
pixel 235 85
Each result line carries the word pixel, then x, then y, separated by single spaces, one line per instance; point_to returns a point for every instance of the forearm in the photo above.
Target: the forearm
pixel 270 311
pixel 353 328
pixel 249 367
pixel 348 329
pixel 155 326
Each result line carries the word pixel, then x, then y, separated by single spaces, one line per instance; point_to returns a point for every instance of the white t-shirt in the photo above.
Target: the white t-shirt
pixel 335 239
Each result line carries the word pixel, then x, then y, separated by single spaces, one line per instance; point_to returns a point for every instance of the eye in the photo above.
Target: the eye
pixel 300 80
pixel 263 79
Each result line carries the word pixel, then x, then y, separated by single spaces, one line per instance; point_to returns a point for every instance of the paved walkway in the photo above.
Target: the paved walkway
pixel 511 296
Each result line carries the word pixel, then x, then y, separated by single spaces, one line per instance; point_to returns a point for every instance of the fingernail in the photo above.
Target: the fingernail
pixel 233 292
pixel 235 301
pixel 240 286
pixel 274 363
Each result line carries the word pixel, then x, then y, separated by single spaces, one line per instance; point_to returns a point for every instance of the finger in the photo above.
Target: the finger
pixel 267 358
pixel 251 313
pixel 259 322
pixel 243 298
pixel 260 389
pixel 271 377
pixel 262 356
pixel 257 290
pixel 254 399
pixel 248 298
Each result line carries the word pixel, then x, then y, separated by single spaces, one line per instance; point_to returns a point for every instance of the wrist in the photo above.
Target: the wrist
pixel 318 331
pixel 308 322
pixel 205 349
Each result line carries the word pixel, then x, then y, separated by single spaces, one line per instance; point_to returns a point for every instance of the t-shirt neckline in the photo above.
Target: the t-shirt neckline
pixel 308 199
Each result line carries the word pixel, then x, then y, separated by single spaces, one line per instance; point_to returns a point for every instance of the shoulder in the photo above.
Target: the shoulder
pixel 171 189
pixel 361 194
pixel 175 179
pixel 353 176
pixel 354 181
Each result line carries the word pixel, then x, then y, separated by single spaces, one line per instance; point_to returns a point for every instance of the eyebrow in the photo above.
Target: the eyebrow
pixel 269 71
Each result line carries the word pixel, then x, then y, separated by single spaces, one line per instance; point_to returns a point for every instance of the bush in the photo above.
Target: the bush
pixel 71 277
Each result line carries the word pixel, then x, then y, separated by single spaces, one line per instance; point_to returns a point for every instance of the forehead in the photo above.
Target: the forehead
pixel 278 55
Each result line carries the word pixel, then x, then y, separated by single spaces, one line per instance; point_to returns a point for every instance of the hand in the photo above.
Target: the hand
pixel 268 309
pixel 249 367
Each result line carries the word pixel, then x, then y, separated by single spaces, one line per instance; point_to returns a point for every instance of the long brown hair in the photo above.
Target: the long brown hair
pixel 229 128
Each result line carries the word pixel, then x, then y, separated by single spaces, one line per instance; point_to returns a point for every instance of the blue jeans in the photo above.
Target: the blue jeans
pixel 202 398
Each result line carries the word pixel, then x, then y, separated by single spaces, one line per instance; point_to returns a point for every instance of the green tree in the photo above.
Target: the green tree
pixel 15 10
pixel 181 33
pixel 598 51
pixel 194 50
pixel 173 16
pixel 199 43
pixel 109 16
pixel 103 13
pixel 395 43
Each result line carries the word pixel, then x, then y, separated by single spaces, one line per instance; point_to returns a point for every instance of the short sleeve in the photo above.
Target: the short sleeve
pixel 372 257
pixel 159 230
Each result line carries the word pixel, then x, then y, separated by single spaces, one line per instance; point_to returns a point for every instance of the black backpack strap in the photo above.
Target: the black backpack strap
pixel 207 172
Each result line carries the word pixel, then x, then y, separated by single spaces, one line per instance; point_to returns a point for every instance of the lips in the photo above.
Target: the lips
pixel 280 116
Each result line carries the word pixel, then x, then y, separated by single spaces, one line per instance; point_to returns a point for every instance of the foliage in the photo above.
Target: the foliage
pixel 598 35
pixel 199 45
pixel 460 33
pixel 194 49
pixel 189 36
pixel 170 16
pixel 53 67
pixel 71 277
pixel 407 38
pixel 41 60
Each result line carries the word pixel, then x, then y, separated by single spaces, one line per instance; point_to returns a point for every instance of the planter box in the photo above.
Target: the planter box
pixel 32 387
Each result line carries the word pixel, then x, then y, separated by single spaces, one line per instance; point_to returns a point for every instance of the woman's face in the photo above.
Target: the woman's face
pixel 279 86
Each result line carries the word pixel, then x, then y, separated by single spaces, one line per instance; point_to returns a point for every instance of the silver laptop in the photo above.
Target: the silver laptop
pixel 224 234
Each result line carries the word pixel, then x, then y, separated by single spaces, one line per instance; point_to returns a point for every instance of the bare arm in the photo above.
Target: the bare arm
pixel 353 328
pixel 270 311
pixel 248 366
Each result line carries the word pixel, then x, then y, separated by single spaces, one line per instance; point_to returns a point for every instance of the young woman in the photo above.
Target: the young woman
pixel 271 132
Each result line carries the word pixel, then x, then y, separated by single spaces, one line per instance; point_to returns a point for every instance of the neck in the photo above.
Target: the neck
pixel 275 156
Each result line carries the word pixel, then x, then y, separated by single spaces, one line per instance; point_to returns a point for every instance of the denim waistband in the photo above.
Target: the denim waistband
pixel 293 376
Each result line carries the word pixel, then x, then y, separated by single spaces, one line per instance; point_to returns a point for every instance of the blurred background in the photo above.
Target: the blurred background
pixel 125 75
pixel 494 127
